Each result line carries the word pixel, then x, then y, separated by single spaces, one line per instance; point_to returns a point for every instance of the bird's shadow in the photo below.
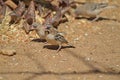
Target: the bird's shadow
pixel 55 47
pixel 99 19
pixel 39 40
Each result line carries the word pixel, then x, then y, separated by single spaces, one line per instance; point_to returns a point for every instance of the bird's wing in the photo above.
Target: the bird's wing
pixel 60 38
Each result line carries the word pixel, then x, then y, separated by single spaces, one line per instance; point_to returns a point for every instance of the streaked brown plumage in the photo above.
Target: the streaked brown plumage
pixel 91 9
pixel 56 38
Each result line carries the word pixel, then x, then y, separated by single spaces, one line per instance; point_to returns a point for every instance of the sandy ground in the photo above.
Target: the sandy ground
pixel 96 55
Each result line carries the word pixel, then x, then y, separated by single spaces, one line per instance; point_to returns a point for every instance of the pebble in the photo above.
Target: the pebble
pixel 86 34
pixel 67 26
pixel 79 23
pixel 8 52
pixel 1 78
pixel 100 76
pixel 54 56
pixel 13 59
pixel 76 39
pixel 87 59
pixel 63 60
pixel 16 64
pixel 117 65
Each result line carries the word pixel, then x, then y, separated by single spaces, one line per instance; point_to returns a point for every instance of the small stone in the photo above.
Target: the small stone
pixel 1 78
pixel 13 59
pixel 83 21
pixel 99 33
pixel 87 59
pixel 63 60
pixel 76 39
pixel 66 26
pixel 8 52
pixel 117 65
pixel 79 23
pixel 86 34
pixel 54 56
pixel 16 64
pixel 100 76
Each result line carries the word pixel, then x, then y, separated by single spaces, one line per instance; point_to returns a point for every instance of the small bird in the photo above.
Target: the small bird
pixel 40 30
pixel 92 9
pixel 56 38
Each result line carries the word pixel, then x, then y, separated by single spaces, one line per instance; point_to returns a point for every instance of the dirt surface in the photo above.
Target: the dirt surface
pixel 96 55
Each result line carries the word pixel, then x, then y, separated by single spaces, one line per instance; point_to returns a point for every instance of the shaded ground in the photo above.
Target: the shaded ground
pixel 96 55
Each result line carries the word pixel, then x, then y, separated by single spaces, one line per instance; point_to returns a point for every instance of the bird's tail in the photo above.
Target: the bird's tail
pixel 111 6
pixel 71 45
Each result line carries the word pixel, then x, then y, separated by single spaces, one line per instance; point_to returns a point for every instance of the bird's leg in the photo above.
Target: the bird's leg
pixel 45 43
pixel 60 46
pixel 96 18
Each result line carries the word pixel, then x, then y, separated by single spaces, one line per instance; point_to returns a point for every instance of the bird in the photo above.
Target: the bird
pixel 55 37
pixel 92 9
